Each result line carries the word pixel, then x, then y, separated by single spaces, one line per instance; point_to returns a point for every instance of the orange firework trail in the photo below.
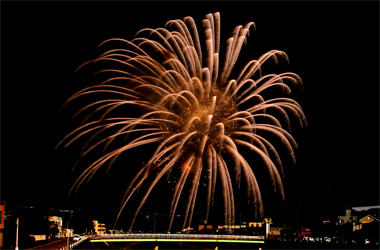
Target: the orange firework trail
pixel 192 112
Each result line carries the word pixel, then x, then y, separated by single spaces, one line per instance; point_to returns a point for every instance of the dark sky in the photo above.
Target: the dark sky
pixel 333 46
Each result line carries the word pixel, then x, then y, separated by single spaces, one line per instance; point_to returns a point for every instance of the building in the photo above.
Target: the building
pixel 205 228
pixel 100 228
pixel 367 230
pixel 305 231
pixel 276 232
pixel 348 218
pixel 56 222
pixel 366 219
pixel 67 232
pixel 267 221
pixel 255 224
pixel 2 218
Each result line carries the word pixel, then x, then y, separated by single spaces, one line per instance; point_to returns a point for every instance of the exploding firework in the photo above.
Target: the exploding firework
pixel 192 112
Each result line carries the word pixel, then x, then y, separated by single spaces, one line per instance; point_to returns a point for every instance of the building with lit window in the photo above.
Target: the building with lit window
pixel 100 228
pixel 368 219
pixel 67 232
pixel 348 218
pixel 56 222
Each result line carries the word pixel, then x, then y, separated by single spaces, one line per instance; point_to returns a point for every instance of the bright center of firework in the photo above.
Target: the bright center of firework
pixel 205 110
pixel 208 117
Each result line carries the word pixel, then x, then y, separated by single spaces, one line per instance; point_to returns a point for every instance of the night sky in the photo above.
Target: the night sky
pixel 333 47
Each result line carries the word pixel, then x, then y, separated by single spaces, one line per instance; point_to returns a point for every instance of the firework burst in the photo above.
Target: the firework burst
pixel 192 112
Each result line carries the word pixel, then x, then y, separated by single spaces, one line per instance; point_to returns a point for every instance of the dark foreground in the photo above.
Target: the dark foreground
pixel 170 245
pixel 56 244
pixel 212 245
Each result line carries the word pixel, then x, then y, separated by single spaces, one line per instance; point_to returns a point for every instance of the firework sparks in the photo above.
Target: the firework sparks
pixel 192 111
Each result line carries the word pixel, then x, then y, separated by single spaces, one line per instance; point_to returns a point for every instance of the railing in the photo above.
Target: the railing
pixel 77 243
pixel 176 236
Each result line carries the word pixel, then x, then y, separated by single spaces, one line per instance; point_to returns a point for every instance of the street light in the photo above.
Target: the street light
pixel 16 234
pixel 67 233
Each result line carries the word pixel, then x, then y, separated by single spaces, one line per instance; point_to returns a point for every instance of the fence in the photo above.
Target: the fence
pixel 71 246
pixel 176 236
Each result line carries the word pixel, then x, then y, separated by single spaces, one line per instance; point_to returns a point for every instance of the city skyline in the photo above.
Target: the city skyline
pixel 332 51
